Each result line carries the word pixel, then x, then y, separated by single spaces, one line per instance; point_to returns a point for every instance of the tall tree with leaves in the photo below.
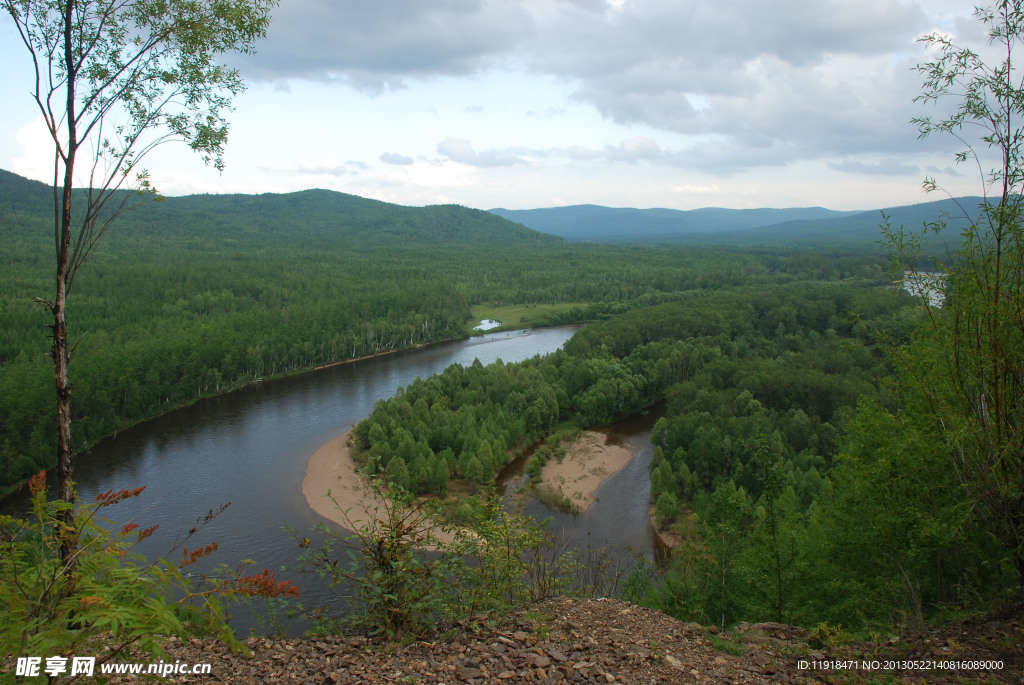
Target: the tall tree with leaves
pixel 969 362
pixel 114 79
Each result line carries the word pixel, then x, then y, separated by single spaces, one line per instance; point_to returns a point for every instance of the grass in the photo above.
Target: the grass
pixel 520 315
pixel 554 499
pixel 540 623
pixel 726 643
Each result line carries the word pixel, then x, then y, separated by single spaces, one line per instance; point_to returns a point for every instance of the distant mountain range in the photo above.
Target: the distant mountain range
pixel 332 218
pixel 810 226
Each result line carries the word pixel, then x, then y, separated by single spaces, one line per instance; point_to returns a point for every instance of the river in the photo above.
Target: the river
pixel 250 448
pixel 617 522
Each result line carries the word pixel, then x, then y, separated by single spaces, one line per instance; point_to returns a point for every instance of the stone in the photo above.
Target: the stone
pixel 556 655
pixel 539 660
pixel 468 673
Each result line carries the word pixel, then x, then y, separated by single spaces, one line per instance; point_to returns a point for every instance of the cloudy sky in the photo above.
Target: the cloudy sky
pixel 539 103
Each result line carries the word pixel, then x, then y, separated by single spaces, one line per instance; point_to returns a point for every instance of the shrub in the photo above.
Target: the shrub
pixel 394 587
pixel 407 571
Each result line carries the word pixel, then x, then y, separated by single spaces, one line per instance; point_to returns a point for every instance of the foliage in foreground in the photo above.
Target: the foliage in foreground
pixel 113 80
pixel 967 364
pixel 404 572
pixel 105 599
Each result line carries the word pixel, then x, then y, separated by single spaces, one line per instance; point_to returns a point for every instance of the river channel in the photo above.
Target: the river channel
pixel 250 448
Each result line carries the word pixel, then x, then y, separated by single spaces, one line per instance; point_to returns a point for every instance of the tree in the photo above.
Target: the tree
pixel 398 473
pixel 770 529
pixel 665 507
pixel 722 527
pixel 969 362
pixel 474 472
pixel 114 79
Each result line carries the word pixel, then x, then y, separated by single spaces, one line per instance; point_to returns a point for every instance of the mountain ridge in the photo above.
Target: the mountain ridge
pixel 328 216
pixel 324 216
pixel 801 226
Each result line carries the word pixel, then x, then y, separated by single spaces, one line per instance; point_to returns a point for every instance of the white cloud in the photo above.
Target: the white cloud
pixel 690 189
pixel 379 46
pixel 810 78
pixel 461 151
pixel 37 151
pixel 394 158
pixel 536 101
pixel 886 167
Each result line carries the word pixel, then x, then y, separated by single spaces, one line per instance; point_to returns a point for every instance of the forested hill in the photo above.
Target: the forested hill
pixel 324 218
pixel 318 217
pixel 22 196
pixel 812 226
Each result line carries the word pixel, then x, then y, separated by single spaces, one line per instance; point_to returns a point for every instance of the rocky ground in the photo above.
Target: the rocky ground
pixel 611 641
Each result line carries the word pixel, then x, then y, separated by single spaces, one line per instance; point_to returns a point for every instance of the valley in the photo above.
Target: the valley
pixel 771 364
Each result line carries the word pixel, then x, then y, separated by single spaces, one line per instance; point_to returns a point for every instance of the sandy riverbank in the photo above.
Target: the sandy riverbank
pixel 587 463
pixel 331 468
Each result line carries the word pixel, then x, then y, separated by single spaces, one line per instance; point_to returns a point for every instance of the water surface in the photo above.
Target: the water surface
pixel 249 448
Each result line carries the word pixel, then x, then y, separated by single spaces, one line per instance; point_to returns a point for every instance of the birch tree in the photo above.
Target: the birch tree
pixel 113 80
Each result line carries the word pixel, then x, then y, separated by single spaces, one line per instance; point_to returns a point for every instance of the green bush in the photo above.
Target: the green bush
pixel 408 572
pixel 395 588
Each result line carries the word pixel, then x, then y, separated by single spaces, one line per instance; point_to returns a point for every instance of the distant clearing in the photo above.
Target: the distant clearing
pixel 520 315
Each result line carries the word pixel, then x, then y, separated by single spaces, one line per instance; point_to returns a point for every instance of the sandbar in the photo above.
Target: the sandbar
pixel 588 462
pixel 352 502
pixel 331 468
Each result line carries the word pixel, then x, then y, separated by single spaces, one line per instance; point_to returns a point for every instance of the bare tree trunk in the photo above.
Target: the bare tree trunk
pixel 65 450
pixel 61 351
pixel 149 78
pixel 61 357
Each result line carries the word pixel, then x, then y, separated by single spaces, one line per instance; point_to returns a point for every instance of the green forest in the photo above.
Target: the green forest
pixel 197 296
pixel 803 487
pixel 835 398
pixel 780 370
pixel 800 355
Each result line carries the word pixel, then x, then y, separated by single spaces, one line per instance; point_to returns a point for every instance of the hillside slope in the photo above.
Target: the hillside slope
pixel 321 218
pixel 611 641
